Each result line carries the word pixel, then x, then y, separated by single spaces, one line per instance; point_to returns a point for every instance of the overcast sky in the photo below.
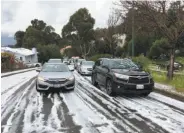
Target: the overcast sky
pixel 16 15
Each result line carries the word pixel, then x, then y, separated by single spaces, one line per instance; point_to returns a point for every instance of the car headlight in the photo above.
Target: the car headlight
pixel 121 76
pixel 71 78
pixel 41 78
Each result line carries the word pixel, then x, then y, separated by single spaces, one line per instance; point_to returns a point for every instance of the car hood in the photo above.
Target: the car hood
pixel 50 75
pixel 130 72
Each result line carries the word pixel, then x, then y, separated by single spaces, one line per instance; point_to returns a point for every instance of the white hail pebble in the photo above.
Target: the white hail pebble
pixel 17 108
pixel 15 80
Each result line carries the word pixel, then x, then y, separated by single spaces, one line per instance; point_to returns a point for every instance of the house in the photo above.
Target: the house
pixel 120 39
pixel 22 54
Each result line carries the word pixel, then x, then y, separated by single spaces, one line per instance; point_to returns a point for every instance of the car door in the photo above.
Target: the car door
pixel 97 70
pixel 104 71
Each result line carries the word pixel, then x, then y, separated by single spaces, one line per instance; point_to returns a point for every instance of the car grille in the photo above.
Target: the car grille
pixel 138 80
pixel 89 69
pixel 56 81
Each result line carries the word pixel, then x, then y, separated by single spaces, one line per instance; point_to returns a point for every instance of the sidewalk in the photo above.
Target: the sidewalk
pixel 168 89
pixel 16 72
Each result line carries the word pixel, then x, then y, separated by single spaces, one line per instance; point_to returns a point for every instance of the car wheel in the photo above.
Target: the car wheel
pixel 93 80
pixel 109 88
pixel 37 65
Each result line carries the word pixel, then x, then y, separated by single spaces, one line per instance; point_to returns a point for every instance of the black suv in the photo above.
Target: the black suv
pixel 121 76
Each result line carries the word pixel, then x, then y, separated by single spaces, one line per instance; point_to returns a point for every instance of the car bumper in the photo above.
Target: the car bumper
pixel 127 88
pixel 86 73
pixel 44 86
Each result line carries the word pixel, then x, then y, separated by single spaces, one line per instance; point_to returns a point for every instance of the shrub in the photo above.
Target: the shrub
pixel 7 61
pixel 142 60
pixel 96 57
pixel 158 48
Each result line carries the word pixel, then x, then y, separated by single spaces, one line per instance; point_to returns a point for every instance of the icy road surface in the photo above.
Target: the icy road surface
pixel 84 110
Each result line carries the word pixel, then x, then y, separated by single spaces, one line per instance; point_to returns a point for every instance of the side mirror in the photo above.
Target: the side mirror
pixel 38 70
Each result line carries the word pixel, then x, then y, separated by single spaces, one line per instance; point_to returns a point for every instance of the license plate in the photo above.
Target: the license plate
pixel 56 85
pixel 140 86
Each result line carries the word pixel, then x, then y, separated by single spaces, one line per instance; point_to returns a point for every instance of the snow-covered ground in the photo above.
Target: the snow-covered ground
pixel 84 110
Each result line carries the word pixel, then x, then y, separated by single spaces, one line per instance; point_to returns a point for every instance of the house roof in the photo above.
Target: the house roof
pixel 21 51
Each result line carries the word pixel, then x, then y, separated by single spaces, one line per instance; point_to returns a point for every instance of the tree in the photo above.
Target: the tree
pixel 19 35
pixel 169 22
pixel 48 51
pixel 41 36
pixel 158 48
pixel 70 52
pixel 79 31
pixel 119 51
pixel 40 33
pixel 100 44
pixel 110 35
pixel 38 24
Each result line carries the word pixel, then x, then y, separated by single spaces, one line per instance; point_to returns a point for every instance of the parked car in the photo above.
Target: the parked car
pixel 85 67
pixel 33 65
pixel 77 63
pixel 121 76
pixel 177 66
pixel 54 77
pixel 55 61
pixel 66 62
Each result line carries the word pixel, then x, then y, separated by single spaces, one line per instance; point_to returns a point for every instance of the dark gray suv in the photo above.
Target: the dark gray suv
pixel 121 76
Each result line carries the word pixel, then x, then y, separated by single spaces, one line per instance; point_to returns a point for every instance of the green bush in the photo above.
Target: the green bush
pixel 96 57
pixel 143 61
pixel 158 48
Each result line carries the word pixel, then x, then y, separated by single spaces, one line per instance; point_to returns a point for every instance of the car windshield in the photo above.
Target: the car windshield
pixel 123 64
pixel 90 63
pixel 54 61
pixel 55 68
pixel 79 60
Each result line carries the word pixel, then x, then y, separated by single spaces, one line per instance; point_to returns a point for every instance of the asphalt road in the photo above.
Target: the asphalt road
pixel 84 110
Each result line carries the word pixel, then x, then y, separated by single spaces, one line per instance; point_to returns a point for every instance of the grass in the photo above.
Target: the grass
pixel 177 82
pixel 180 59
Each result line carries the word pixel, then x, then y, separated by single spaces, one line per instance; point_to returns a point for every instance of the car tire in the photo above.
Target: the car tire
pixel 37 65
pixel 109 88
pixel 93 80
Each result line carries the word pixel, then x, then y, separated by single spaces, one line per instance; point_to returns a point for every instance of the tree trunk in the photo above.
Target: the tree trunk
pixel 171 65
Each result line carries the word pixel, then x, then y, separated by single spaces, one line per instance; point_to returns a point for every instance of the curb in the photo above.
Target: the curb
pixel 6 75
pixel 169 91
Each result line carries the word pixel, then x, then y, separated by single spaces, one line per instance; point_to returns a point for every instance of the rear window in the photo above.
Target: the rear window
pixel 54 61
pixel 91 63
pixel 55 68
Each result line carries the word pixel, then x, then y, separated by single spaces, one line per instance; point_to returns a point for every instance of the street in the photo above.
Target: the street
pixel 84 110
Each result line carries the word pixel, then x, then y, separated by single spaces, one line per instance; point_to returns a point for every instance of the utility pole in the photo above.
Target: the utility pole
pixel 133 30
